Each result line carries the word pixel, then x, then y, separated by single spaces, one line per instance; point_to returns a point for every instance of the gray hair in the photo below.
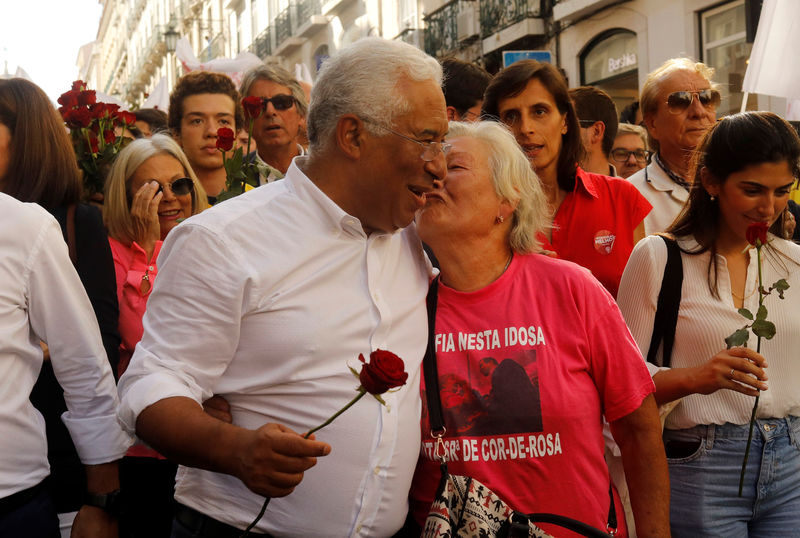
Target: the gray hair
pixel 117 199
pixel 655 79
pixel 362 79
pixel 629 128
pixel 514 180
pixel 279 75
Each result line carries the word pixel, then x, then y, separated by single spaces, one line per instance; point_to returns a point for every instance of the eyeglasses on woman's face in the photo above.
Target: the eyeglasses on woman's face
pixel 179 187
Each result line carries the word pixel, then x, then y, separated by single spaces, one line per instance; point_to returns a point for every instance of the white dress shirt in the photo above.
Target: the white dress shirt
pixel 705 321
pixel 666 196
pixel 42 299
pixel 266 299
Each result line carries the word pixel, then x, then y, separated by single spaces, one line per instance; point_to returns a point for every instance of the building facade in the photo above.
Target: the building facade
pixel 612 44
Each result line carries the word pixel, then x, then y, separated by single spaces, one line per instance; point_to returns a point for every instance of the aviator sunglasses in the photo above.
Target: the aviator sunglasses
pixel 179 187
pixel 280 101
pixel 678 102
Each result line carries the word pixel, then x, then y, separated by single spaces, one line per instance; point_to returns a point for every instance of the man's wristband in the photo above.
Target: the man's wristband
pixel 110 502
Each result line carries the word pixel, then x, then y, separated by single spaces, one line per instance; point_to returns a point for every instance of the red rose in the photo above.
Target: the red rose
pixel 252 107
pixel 384 371
pixel 225 138
pixel 87 97
pixel 77 118
pixel 95 143
pixel 128 118
pixel 69 99
pixel 109 137
pixel 78 85
pixel 757 233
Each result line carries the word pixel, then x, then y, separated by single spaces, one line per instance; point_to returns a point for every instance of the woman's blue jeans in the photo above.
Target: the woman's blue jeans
pixel 705 485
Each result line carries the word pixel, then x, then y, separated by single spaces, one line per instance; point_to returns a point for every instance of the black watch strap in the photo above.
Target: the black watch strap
pixel 110 502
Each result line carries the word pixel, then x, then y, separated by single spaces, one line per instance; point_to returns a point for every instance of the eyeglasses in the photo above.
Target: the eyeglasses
pixel 587 123
pixel 178 187
pixel 622 155
pixel 678 102
pixel 281 101
pixel 430 150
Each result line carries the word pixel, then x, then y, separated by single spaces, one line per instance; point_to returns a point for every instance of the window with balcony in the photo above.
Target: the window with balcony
pixel 724 47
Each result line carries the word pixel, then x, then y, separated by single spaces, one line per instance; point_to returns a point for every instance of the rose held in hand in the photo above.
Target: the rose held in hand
pixel 252 107
pixel 225 139
pixel 384 371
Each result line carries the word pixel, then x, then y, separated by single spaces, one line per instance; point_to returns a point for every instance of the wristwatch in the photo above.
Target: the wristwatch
pixel 111 502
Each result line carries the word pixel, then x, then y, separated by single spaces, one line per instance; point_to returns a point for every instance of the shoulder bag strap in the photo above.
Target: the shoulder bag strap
pixel 669 301
pixel 73 253
pixel 429 363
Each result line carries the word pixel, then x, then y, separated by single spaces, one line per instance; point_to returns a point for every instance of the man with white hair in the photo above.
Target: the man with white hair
pixel 679 103
pixel 270 321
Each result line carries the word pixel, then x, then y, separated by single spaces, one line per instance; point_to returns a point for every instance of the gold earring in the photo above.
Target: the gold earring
pixel 499 219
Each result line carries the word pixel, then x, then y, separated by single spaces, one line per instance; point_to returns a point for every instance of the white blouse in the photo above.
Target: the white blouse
pixel 705 321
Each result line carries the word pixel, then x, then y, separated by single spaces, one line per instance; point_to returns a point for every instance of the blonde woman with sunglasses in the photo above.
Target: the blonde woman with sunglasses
pixel 679 103
pixel 150 189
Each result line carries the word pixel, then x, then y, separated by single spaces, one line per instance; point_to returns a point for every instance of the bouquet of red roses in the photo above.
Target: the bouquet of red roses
pixel 92 127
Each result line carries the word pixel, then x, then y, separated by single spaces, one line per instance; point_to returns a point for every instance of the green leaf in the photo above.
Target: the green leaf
pixel 780 286
pixel 355 373
pixel 764 328
pixel 746 313
pixel 225 195
pixel 762 312
pixel 737 339
pixel 378 397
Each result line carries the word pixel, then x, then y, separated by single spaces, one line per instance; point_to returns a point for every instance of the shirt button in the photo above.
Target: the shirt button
pixel 151 268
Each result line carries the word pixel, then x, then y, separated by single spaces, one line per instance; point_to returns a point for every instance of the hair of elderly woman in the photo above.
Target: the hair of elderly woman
pixel 731 145
pixel 42 167
pixel 655 79
pixel 118 198
pixel 362 79
pixel 514 180
pixel 278 75
pixel 513 80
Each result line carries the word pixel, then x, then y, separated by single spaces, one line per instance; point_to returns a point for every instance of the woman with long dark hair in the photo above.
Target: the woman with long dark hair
pixel 743 171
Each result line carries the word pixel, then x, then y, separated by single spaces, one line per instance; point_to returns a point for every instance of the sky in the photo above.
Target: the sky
pixel 43 38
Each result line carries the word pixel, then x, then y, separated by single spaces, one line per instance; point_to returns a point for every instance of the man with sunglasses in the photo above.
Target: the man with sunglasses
pixel 265 300
pixel 282 118
pixel 597 117
pixel 679 103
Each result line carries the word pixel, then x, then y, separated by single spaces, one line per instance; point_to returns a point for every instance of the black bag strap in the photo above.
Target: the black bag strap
pixel 669 301
pixel 429 369
pixel 432 396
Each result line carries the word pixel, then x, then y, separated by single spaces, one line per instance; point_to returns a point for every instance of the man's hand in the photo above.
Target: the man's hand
pixel 93 522
pixel 273 459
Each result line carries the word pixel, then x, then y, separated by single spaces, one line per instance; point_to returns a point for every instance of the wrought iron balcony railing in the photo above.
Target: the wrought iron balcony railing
pixel 441 30
pixel 498 14
pixel 262 45
pixel 283 25
pixel 214 49
pixel 307 8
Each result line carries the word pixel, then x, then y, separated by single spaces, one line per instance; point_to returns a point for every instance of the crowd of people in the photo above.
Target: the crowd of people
pixel 163 355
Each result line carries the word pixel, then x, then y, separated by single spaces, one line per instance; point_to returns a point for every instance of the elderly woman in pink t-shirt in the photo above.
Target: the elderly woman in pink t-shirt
pixel 532 352
pixel 150 189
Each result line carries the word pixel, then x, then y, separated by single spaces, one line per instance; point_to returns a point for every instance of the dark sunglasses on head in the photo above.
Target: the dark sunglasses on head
pixel 280 101
pixel 179 187
pixel 587 123
pixel 622 155
pixel 678 102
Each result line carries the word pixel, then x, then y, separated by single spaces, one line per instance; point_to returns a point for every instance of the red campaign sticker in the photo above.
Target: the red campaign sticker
pixel 604 241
